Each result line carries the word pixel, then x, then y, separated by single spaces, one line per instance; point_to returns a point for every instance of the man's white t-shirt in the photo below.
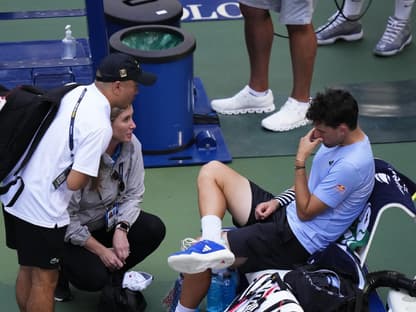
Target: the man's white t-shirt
pixel 40 203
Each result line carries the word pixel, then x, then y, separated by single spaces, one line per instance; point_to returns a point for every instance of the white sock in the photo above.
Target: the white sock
pixel 211 228
pixel 257 93
pixel 181 308
pixel 403 8
pixel 352 7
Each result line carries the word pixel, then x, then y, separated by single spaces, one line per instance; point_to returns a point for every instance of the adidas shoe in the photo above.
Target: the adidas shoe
pixel 201 256
pixel 338 27
pixel 244 102
pixel 396 36
pixel 290 116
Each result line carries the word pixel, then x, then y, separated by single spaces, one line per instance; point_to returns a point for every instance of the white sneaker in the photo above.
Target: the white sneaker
pixel 290 116
pixel 244 102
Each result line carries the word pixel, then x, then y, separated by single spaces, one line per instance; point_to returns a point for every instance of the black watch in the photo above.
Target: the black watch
pixel 123 226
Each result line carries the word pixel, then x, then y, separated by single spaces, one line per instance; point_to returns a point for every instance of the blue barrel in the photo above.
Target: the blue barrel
pixel 128 13
pixel 163 112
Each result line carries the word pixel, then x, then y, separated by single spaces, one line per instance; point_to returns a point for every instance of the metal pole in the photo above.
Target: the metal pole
pixel 97 31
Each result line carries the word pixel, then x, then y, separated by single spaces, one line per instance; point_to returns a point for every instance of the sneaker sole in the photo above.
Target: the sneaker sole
pixel 353 37
pixel 267 109
pixel 291 127
pixel 197 263
pixel 393 52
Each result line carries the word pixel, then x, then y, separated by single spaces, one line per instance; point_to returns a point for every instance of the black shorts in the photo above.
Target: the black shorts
pixel 269 244
pixel 36 246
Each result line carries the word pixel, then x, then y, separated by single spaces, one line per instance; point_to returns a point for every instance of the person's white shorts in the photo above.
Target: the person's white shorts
pixel 292 12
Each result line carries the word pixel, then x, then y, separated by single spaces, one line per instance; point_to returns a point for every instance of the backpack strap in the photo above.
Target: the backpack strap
pixel 61 178
pixel 5 188
pixel 54 97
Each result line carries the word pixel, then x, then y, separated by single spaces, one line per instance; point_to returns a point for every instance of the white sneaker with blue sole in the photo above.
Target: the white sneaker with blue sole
pixel 201 256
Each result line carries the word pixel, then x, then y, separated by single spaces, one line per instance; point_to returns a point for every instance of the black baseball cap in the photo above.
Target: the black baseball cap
pixel 122 67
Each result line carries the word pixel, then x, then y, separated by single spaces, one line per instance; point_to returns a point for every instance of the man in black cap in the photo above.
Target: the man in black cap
pixel 36 224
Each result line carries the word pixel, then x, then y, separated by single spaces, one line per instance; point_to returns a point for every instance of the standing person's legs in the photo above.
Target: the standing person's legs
pixel 303 48
pixel 39 251
pixel 35 288
pixel 23 286
pixel 256 97
pixel 258 30
pixel 297 16
pixel 352 8
pixel 403 9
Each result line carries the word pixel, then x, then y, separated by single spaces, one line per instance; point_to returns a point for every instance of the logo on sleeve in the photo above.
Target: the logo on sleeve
pixel 340 188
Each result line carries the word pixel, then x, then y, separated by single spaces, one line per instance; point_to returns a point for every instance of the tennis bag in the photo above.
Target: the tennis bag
pixel 332 281
pixel 267 293
pixel 24 118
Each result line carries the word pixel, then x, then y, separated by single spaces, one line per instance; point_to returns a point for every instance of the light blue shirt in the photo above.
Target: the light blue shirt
pixel 343 178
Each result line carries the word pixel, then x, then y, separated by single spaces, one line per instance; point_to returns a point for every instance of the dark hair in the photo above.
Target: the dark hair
pixel 334 107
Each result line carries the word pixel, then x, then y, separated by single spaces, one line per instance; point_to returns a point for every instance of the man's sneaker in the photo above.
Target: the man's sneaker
pixel 201 256
pixel 290 116
pixel 338 27
pixel 396 36
pixel 63 292
pixel 244 102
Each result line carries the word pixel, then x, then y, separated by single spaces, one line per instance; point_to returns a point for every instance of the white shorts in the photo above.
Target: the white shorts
pixel 292 12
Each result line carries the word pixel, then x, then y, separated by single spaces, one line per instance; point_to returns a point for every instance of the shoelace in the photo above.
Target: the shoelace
pixel 187 242
pixel 393 29
pixel 335 20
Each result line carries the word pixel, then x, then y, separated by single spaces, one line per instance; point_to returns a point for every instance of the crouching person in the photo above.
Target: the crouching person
pixel 108 230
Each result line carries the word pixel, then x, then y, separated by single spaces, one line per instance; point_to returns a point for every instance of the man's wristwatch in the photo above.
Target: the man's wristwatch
pixel 123 226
